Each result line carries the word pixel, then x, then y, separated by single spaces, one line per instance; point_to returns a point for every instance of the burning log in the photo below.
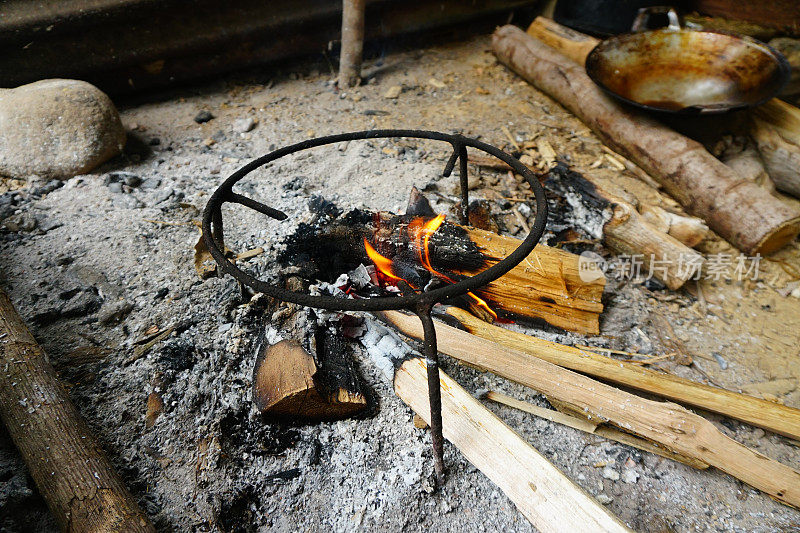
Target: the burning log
pixel 546 286
pixel 80 486
pixel 288 382
pixel 544 495
pixel 741 212
pixel 667 424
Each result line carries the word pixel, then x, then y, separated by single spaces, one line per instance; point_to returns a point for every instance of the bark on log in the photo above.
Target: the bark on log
pixel 665 423
pixel 352 43
pixel 80 486
pixel 776 130
pixel 739 211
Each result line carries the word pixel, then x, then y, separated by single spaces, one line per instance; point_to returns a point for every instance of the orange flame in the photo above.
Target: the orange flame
pixel 421 232
pixel 384 264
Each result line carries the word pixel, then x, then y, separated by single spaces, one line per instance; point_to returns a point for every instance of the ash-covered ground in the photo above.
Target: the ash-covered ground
pixel 100 264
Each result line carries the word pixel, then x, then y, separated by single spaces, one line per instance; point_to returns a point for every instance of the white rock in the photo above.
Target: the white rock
pixel 630 476
pixel 610 473
pixel 603 498
pixel 243 125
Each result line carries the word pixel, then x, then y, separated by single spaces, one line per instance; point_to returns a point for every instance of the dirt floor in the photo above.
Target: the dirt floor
pixel 105 261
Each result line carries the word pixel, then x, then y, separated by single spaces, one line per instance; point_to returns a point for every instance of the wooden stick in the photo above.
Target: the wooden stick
pixel 665 423
pixel 78 483
pixel 741 212
pixel 768 415
pixel 542 493
pixel 352 43
pixel 594 429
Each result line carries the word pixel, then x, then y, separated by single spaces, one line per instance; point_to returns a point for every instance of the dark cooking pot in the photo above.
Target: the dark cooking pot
pixel 679 70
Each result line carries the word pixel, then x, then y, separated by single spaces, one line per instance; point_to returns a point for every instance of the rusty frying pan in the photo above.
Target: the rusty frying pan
pixel 680 70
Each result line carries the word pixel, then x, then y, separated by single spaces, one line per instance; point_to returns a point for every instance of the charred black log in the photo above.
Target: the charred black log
pixel 326 249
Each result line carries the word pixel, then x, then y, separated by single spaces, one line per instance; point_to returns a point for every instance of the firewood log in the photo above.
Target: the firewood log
pixel 291 383
pixel 739 211
pixel 626 231
pixel 776 130
pixel 80 486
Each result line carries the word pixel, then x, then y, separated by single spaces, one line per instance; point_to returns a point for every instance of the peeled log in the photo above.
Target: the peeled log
pixel 739 211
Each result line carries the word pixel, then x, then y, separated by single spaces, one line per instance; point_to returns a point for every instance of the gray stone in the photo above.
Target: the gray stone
pixel 57 129
pixel 610 473
pixel 126 201
pixel 243 125
pixel 114 312
pixel 22 222
pixel 151 183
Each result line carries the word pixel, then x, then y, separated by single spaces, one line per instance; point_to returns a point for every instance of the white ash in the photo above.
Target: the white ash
pixel 384 346
pixel 586 219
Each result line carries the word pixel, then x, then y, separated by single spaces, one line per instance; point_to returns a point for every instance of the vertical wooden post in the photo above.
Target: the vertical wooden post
pixel 78 483
pixel 352 43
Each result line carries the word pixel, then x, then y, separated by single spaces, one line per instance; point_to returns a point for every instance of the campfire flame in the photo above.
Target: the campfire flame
pixel 421 232
pixel 383 264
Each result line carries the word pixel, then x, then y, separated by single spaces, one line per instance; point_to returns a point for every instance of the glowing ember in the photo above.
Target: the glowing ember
pixel 421 232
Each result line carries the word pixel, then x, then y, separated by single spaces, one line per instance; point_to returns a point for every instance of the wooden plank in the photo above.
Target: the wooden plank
pixel 665 423
pixel 550 500
pixel 768 415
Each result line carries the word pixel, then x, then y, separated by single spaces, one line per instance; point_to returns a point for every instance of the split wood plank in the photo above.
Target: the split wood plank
pixel 542 493
pixel 665 423
pixel 594 428
pixel 762 413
